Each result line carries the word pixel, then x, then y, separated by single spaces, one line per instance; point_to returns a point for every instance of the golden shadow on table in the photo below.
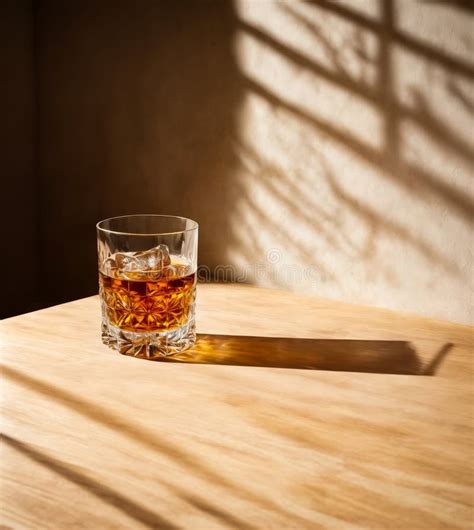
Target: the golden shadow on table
pixel 370 356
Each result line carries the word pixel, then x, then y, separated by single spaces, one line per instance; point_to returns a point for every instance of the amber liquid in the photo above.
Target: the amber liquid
pixel 144 305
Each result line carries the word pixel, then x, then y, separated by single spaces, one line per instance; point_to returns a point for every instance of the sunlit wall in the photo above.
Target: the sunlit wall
pixel 355 143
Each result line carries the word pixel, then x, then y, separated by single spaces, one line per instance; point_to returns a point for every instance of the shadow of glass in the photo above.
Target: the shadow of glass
pixel 370 356
pixel 103 492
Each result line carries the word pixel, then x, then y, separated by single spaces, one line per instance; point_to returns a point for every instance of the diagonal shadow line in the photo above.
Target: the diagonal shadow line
pixel 254 162
pixel 252 249
pixel 346 13
pixel 463 98
pixel 302 248
pixel 408 176
pixel 360 88
pixel 99 414
pixel 267 173
pixel 430 53
pixel 141 435
pixel 331 51
pixel 103 492
pixel 371 216
pixel 441 132
pixel 468 5
pixel 382 98
pixel 205 507
pixel 385 101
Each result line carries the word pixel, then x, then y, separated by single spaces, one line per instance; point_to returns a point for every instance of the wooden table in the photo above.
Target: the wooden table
pixel 292 412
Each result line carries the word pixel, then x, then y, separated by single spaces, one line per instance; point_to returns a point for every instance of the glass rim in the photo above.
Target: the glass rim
pixel 194 226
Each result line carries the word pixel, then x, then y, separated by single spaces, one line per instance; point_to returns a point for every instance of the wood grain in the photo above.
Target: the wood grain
pixel 291 412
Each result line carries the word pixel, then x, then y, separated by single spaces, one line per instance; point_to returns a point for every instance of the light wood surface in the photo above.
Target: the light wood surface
pixel 292 412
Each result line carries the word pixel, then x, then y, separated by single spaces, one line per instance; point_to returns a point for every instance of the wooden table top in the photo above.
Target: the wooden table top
pixel 292 412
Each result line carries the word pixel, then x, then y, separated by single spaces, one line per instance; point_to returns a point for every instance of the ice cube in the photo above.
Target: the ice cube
pixel 125 262
pixel 155 259
pixel 146 264
pixel 109 267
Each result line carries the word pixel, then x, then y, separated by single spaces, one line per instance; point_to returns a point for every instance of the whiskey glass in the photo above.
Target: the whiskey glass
pixel 147 283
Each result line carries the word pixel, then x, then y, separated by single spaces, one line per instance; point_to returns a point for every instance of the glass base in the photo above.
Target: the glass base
pixel 149 345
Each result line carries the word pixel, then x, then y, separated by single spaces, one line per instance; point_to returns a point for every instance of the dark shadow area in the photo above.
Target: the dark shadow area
pixel 18 173
pixel 140 102
pixel 103 492
pixel 370 356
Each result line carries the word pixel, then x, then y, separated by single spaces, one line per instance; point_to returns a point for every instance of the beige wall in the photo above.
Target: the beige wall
pixel 322 147
pixel 19 262
pixel 355 139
